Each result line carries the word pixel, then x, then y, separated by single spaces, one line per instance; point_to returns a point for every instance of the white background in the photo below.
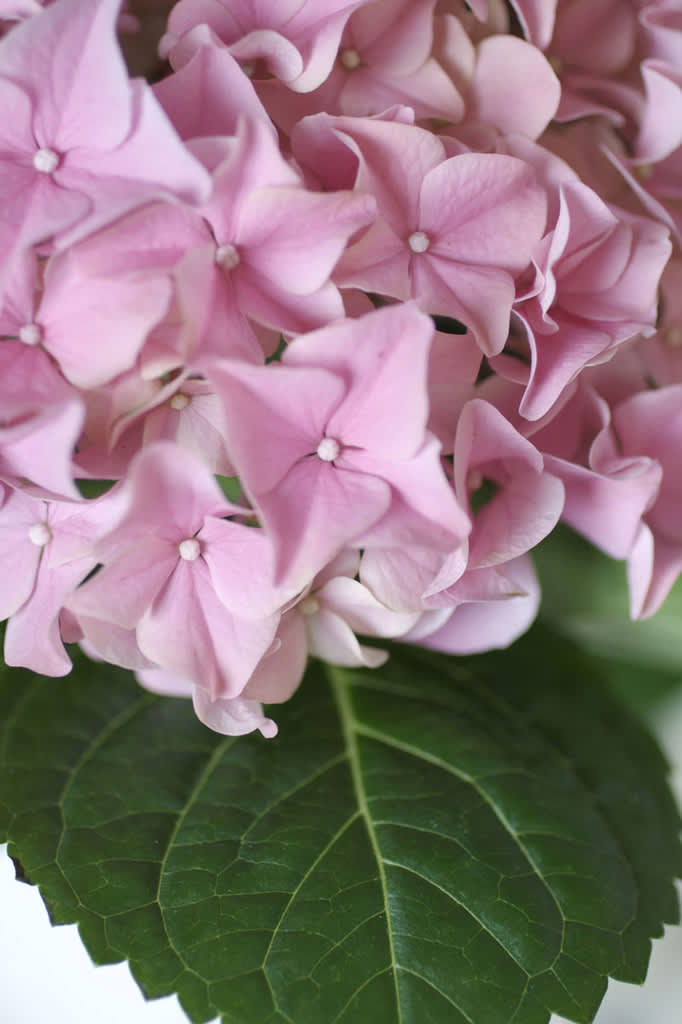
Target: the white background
pixel 46 976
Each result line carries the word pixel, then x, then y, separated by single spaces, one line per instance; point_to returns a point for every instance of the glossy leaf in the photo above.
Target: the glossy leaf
pixel 440 841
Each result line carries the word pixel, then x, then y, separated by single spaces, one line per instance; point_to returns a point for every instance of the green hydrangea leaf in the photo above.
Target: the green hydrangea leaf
pixel 440 841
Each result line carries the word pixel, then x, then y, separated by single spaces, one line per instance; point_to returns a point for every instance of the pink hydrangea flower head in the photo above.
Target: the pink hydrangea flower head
pixel 327 455
pixel 385 57
pixel 195 586
pixel 79 152
pixel 296 39
pixel 451 233
pixel 599 275
pixel 47 549
pixel 276 241
pixel 325 620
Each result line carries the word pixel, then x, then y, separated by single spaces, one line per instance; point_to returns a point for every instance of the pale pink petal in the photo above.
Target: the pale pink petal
pixel 188 631
pixel 537 19
pixel 526 510
pixel 138 170
pixel 608 509
pixel 325 157
pixel 275 416
pixel 170 493
pixel 294 237
pixel 598 39
pixel 514 87
pixel 241 564
pixel 394 158
pixel 527 503
pixel 397 34
pixel 649 591
pixel 208 95
pixel 232 716
pixel 490 583
pixel 316 510
pixel 379 261
pixel 33 638
pixel 428 90
pixel 660 131
pixel 253 162
pixel 375 354
pixel 319 25
pixel 424 510
pixel 399 576
pixel 283 310
pixel 118 646
pixel 660 27
pixel 77 527
pixel 19 556
pixel 95 327
pixel 88 83
pixel 279 672
pixel 40 450
pixel 476 627
pixel 483 210
pixel 480 297
pixel 556 361
pixel 121 592
pixel 346 563
pixel 281 56
pixel 356 605
pixel 332 639
pixel 454 364
pixel 640 570
pixel 225 22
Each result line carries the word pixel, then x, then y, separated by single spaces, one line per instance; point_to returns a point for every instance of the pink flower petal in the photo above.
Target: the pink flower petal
pixel 514 87
pixel 488 625
pixel 188 631
pixel 232 716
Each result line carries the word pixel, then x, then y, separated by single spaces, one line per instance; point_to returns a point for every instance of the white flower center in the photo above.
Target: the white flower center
pixel 179 401
pixel 226 256
pixel 419 241
pixel 310 606
pixel 189 549
pixel 31 334
pixel 350 59
pixel 46 161
pixel 40 534
pixel 328 449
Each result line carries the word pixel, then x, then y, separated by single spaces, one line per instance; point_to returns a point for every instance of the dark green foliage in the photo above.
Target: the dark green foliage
pixel 441 841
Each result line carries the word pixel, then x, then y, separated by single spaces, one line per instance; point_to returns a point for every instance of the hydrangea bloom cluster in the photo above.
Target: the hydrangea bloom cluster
pixel 337 318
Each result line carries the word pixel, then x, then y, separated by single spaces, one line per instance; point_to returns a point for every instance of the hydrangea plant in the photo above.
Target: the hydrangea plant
pixel 317 317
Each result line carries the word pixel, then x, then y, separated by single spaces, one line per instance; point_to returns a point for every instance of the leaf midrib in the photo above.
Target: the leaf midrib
pixel 340 692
